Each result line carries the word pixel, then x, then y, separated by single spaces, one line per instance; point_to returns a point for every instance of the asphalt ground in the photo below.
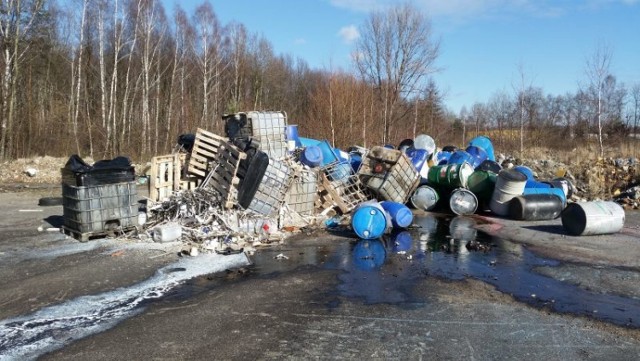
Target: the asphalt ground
pixel 526 292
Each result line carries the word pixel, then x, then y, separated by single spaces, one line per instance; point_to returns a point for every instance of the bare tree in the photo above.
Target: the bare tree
pixel 210 59
pixel 521 89
pixel 635 98
pixel 16 21
pixel 395 53
pixel 597 70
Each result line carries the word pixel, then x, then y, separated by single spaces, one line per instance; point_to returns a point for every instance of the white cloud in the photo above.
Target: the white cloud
pixel 299 41
pixel 349 33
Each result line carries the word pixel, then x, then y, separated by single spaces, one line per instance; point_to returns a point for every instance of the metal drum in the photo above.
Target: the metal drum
pixel 510 184
pixel 591 218
pixel 424 198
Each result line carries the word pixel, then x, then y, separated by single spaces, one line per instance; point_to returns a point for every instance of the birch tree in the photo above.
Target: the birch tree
pixel 395 53
pixel 597 69
pixel 16 21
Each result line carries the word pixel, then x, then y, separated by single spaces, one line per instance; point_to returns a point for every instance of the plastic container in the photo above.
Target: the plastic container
pixel 535 184
pixel 440 158
pixel 389 174
pixel 564 184
pixel 509 184
pixel 424 198
pixel 97 177
pixel 524 170
pixel 484 143
pixel 425 142
pixel 405 145
pixel 490 166
pixel 269 128
pixel 463 202
pixel 535 207
pixel 292 134
pixel 272 190
pixel 548 190
pixel 303 193
pixel 167 233
pixel 251 172
pixel 592 218
pixel 419 158
pixel 311 156
pixel 328 155
pixel 461 156
pixel 101 208
pixel 450 175
pixel 401 216
pixel 370 220
pixel 478 155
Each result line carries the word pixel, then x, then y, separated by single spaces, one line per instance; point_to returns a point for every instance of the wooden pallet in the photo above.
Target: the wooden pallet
pixel 87 236
pixel 205 150
pixel 165 176
pixel 223 175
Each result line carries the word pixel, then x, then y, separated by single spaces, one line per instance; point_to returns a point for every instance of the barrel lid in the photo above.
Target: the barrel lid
pixel 512 175
pixel 463 202
pixel 312 155
pixel 369 222
pixel 403 217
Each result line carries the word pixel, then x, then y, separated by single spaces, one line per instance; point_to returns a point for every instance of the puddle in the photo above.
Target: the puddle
pixel 386 270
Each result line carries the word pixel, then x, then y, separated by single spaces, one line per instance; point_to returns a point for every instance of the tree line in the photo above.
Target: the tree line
pixel 102 78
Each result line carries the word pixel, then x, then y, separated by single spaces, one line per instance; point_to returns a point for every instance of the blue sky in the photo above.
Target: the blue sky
pixel 482 41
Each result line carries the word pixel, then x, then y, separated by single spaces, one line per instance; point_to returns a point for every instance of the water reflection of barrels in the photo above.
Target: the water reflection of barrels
pixel 369 254
pixel 401 241
pixel 462 229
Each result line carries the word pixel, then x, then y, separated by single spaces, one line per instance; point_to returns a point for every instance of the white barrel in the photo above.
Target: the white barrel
pixel 167 232
pixel 591 218
pixel 509 184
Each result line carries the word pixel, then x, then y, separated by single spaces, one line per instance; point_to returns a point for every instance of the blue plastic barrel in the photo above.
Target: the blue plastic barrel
pixel 369 221
pixel 484 143
pixel 401 215
pixel 311 156
pixel 524 170
pixel 328 155
pixel 305 142
pixel 555 191
pixel 442 157
pixel 419 157
pixel 535 184
pixel 291 133
pixel 355 159
pixel 459 157
pixel 478 155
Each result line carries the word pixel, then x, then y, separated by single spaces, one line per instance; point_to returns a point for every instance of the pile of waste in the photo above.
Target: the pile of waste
pixel 262 182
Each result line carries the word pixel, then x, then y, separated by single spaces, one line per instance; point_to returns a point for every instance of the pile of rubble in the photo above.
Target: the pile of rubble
pixel 262 182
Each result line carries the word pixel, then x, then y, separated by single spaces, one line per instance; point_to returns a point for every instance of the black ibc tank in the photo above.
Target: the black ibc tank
pixel 535 207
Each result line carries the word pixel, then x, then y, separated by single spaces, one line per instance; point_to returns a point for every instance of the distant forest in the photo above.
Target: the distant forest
pixel 102 78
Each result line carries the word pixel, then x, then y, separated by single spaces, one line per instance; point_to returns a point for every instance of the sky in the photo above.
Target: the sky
pixel 484 43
